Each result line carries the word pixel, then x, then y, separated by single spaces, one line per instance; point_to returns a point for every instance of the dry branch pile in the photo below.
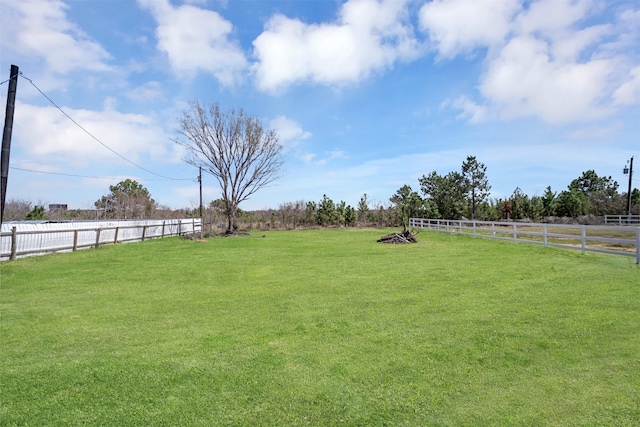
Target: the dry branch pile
pixel 404 236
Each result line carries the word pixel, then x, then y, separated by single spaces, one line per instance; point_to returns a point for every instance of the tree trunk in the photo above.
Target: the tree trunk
pixel 229 222
pixel 473 204
pixel 231 218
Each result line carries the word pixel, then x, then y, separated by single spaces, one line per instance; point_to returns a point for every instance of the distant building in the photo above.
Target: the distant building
pixel 57 207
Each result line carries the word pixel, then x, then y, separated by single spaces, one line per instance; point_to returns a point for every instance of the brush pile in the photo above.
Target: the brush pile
pixel 401 237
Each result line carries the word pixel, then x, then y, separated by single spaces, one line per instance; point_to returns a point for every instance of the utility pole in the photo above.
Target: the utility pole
pixel 6 136
pixel 630 170
pixel 201 218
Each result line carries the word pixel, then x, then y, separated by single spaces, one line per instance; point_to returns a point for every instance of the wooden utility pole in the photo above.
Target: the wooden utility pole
pixel 6 136
pixel 630 187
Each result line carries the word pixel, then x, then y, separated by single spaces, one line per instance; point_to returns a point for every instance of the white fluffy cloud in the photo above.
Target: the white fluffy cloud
pixel 369 35
pixel 196 39
pixel 524 80
pixel 289 132
pixel 459 26
pixel 40 29
pixel 470 110
pixel 551 16
pixel 629 92
pixel 49 135
pixel 542 58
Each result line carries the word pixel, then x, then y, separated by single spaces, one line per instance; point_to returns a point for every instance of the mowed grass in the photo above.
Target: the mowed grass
pixel 320 327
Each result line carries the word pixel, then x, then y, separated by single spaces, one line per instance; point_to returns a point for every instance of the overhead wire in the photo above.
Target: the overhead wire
pixel 90 176
pixel 97 139
pixel 5 81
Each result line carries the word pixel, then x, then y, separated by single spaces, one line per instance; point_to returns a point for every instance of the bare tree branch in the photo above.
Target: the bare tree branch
pixel 233 147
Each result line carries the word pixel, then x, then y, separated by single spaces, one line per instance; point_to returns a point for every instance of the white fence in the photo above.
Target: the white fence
pixel 622 219
pixel 616 240
pixel 24 238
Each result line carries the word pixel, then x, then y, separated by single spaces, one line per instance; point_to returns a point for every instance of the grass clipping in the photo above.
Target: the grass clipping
pixel 401 237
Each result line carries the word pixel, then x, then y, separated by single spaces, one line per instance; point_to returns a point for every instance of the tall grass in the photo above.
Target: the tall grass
pixel 320 327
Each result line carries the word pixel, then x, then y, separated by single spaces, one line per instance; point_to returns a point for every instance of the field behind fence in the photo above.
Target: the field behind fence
pixel 25 238
pixel 609 239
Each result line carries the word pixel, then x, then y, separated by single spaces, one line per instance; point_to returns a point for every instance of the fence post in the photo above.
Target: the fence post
pixel 544 234
pixel 493 230
pixel 14 242
pixel 583 236
pixel 75 240
pixel 638 245
pixel 144 232
pixel 115 238
pixel 163 222
pixel 515 232
pixel 98 237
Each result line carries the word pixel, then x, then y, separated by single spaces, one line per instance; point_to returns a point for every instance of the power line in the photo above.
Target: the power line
pixel 94 137
pixel 94 177
pixel 5 81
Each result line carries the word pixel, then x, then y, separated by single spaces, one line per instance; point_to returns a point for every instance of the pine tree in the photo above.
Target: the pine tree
pixel 475 175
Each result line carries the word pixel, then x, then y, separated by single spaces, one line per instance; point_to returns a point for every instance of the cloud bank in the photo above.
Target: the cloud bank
pixel 543 59
pixel 367 36
pixel 196 39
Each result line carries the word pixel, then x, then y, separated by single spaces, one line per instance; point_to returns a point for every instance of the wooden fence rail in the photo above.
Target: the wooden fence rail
pixel 609 239
pixel 31 242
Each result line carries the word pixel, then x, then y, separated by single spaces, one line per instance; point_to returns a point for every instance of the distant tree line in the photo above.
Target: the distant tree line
pixel 458 195
pixel 455 195
pixel 464 194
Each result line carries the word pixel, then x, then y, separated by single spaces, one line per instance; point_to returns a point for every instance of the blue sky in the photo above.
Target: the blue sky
pixel 366 95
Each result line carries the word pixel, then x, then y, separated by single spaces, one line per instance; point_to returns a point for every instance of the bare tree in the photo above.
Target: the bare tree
pixel 17 209
pixel 235 148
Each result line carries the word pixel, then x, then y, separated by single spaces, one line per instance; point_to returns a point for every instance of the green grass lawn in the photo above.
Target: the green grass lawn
pixel 320 327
